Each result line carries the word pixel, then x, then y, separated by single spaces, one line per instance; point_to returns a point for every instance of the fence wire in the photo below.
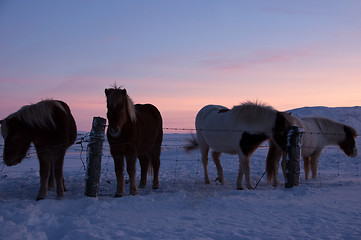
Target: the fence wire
pixel 179 170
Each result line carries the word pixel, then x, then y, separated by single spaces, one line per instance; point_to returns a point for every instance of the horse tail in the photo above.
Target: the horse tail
pixel 272 162
pixel 192 144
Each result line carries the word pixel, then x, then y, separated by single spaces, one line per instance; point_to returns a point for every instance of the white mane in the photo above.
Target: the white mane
pixel 131 109
pixel 253 112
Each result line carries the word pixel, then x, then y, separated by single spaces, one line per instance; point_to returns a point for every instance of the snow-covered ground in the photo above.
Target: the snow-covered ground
pixel 184 207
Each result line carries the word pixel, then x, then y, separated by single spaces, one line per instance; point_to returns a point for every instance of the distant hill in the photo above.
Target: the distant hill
pixel 347 115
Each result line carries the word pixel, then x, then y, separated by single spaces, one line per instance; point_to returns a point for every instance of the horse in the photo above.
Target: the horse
pixel 50 126
pixel 134 131
pixel 318 132
pixel 237 131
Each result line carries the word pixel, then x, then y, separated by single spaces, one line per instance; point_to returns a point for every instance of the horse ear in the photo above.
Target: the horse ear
pixel 124 91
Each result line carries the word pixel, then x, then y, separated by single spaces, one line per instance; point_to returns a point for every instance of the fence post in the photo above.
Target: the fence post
pixel 293 156
pixel 94 157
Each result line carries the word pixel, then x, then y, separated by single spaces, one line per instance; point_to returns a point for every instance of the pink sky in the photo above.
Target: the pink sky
pixel 180 56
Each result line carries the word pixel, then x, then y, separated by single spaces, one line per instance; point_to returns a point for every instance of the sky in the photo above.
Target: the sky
pixel 179 55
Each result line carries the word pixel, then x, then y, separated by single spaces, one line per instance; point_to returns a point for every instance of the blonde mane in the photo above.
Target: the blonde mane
pixel 34 115
pixel 253 112
pixel 39 114
pixel 130 104
pixel 131 109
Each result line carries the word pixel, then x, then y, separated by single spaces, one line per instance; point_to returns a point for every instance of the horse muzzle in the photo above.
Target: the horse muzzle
pixel 114 132
pixel 354 153
pixel 11 161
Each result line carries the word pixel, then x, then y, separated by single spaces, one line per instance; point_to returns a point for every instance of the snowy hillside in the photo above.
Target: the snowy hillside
pixel 347 115
pixel 184 207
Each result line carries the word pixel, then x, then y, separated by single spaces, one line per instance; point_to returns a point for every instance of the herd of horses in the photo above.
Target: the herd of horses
pixel 136 131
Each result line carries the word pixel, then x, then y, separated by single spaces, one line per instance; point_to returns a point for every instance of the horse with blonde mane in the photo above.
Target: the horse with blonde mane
pixel 318 132
pixel 134 131
pixel 50 126
pixel 238 131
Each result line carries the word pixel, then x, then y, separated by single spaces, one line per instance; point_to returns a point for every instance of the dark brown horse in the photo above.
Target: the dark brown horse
pixel 133 131
pixel 50 126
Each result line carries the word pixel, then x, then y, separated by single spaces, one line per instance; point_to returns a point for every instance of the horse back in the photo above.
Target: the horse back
pixel 148 126
pixel 64 132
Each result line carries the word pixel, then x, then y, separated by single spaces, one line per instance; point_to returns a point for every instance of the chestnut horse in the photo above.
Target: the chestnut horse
pixel 50 126
pixel 134 131
pixel 238 131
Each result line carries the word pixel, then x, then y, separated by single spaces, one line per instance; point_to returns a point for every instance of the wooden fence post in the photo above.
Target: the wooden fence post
pixel 293 157
pixel 94 157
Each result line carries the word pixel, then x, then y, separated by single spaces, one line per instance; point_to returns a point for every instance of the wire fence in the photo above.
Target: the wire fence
pixel 179 170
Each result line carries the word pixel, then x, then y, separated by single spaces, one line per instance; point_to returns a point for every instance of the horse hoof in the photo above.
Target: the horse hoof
pixel 220 180
pixel 240 188
pixel 118 195
pixel 155 186
pixel 39 198
pixel 141 186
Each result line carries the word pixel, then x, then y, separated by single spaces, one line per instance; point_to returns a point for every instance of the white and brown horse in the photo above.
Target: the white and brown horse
pixel 318 132
pixel 238 131
pixel 50 126
pixel 134 131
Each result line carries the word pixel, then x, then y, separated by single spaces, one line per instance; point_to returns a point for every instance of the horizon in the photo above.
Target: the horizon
pixel 179 56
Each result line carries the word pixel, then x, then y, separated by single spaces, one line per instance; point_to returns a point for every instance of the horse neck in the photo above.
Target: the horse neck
pixel 325 135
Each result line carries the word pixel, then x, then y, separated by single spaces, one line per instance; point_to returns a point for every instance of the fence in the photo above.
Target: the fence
pixel 179 170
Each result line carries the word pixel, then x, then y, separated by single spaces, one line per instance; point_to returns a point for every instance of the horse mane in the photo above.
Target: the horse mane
pixel 131 109
pixel 39 114
pixel 328 126
pixel 130 104
pixel 251 112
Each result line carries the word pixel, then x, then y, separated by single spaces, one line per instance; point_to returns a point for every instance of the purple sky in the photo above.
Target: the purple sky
pixel 179 55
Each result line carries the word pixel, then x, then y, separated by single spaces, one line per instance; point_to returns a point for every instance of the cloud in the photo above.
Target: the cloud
pixel 229 62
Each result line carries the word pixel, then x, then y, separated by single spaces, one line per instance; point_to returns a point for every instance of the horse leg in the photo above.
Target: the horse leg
pixel 51 182
pixel 119 173
pixel 244 169
pixel 143 161
pixel 240 176
pixel 156 165
pixel 247 172
pixel 45 166
pixel 58 173
pixel 314 163
pixel 272 163
pixel 306 166
pixel 204 153
pixel 131 163
pixel 204 149
pixel 216 156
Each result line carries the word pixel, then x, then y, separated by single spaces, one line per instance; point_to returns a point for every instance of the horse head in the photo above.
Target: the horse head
pixel 280 131
pixel 348 145
pixel 16 141
pixel 120 110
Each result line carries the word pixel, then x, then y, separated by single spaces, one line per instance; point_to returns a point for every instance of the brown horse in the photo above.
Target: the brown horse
pixel 50 126
pixel 133 131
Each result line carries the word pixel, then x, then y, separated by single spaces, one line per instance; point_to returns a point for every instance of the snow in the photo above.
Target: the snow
pixel 184 207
